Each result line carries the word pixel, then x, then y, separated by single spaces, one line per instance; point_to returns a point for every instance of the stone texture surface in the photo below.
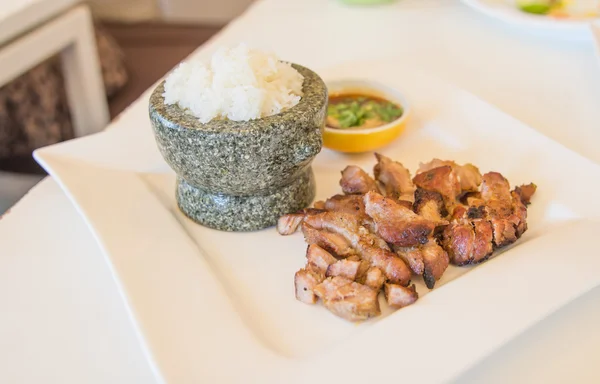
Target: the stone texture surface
pixel 245 213
pixel 248 166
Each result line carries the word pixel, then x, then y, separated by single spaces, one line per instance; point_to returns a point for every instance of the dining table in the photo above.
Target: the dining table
pixel 63 318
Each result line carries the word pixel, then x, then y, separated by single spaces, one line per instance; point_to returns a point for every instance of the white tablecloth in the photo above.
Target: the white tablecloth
pixel 61 316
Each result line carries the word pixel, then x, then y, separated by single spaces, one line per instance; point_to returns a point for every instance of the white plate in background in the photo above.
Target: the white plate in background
pixel 596 34
pixel 214 306
pixel 507 11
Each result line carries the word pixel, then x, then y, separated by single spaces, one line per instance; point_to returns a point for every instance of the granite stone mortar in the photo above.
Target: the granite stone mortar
pixel 245 213
pixel 248 166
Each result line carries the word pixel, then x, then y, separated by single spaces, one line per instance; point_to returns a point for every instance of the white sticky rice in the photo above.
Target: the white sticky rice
pixel 239 84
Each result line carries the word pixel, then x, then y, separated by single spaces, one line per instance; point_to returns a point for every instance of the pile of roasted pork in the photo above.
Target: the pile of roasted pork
pixel 383 231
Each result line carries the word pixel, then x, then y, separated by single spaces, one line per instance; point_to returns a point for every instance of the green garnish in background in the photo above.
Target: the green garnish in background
pixel 353 112
pixel 538 7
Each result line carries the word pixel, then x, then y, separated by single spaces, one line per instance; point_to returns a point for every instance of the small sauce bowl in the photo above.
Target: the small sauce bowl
pixel 366 139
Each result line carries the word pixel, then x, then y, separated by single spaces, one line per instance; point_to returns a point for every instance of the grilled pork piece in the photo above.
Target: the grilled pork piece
pixel 495 217
pixel 405 204
pixel 363 242
pixel 429 260
pixel 356 181
pixel 483 245
pixel 364 266
pixel 499 206
pixel 397 224
pixel 525 192
pixel 320 205
pixel 288 224
pixel 495 187
pixel 369 236
pixel 318 259
pixel 347 299
pixel 394 179
pixel 374 278
pixel 504 231
pixel 430 205
pixel 472 199
pixel 352 204
pixel 393 267
pixel 305 282
pixel 413 257
pixel 332 242
pixel 458 242
pixel 435 261
pixel 344 268
pixel 347 225
pixel 398 296
pixel 442 180
pixel 468 242
pixel 468 175
pixel 344 224
pixel 520 212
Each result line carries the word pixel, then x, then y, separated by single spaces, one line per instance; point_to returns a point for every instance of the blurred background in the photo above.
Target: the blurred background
pixel 154 35
pixel 137 41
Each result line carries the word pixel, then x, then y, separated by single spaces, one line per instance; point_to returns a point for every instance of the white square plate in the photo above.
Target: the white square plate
pixel 219 307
